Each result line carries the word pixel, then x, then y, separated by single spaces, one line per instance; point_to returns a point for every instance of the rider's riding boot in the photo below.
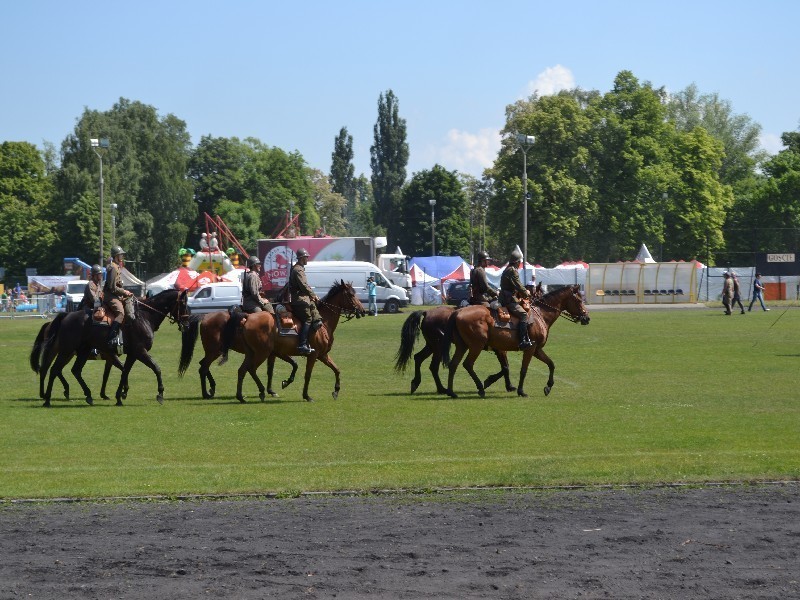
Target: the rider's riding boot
pixel 112 336
pixel 303 347
pixel 524 340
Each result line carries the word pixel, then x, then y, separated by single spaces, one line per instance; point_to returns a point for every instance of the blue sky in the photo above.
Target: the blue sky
pixel 293 74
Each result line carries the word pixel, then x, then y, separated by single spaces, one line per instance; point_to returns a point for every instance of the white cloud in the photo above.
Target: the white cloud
pixel 770 142
pixel 469 152
pixel 551 81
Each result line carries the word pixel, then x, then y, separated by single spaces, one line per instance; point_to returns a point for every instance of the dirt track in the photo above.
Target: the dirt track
pixel 715 542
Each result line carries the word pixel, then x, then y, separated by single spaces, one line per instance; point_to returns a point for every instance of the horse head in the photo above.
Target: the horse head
pixel 344 298
pixel 575 307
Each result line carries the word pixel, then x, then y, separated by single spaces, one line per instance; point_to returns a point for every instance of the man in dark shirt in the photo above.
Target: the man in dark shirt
pixel 93 292
pixel 510 288
pixel 303 300
pixel 480 290
pixel 253 300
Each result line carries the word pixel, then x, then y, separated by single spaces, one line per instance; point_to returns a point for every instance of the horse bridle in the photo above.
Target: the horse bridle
pixel 349 313
pixel 563 313
pixel 180 319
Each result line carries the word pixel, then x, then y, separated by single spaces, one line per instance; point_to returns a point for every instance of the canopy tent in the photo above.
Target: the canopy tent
pixel 493 274
pixel 181 278
pixel 437 266
pixel 460 273
pixel 420 277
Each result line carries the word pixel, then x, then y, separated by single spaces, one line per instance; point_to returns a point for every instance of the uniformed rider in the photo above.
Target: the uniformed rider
pixel 480 290
pixel 114 294
pixel 253 299
pixel 510 288
pixel 303 300
pixel 93 292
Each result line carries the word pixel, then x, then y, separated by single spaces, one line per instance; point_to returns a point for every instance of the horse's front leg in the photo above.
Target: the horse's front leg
pixel 148 360
pixel 469 365
pixel 539 353
pixel 287 382
pixel 111 361
pixel 310 361
pixel 328 362
pixel 77 372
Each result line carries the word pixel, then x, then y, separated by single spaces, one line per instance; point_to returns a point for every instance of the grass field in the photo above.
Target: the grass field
pixel 640 397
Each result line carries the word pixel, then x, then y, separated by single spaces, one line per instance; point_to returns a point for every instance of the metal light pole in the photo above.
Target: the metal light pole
pixel 525 142
pixel 97 144
pixel 664 197
pixel 290 231
pixel 113 225
pixel 432 202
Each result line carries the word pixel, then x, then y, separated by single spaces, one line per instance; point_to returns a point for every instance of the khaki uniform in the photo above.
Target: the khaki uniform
pixel 114 293
pixel 510 285
pixel 92 296
pixel 480 290
pixel 302 295
pixel 252 300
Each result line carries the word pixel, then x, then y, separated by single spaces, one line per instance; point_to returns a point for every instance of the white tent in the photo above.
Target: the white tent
pixel 644 255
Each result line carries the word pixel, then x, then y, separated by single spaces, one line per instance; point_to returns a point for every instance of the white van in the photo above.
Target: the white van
pixel 215 296
pixel 74 294
pixel 321 276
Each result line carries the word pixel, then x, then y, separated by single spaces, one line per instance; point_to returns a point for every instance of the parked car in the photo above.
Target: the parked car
pixel 215 296
pixel 458 293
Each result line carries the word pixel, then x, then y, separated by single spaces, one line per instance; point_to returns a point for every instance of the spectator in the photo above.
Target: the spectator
pixel 372 292
pixel 737 298
pixel 727 292
pixel 758 293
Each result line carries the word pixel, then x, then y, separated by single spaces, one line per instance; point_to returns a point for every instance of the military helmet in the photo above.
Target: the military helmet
pixel 516 256
pixel 116 251
pixel 97 270
pixel 483 256
pixel 302 252
pixel 253 261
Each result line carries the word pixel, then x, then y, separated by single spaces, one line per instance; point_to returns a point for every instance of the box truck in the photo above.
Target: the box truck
pixel 278 255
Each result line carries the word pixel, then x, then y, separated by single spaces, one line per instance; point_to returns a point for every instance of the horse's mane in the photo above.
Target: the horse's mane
pixel 558 292
pixel 336 289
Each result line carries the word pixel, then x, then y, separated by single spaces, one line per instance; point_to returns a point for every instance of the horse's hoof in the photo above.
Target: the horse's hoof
pixel 285 383
pixel 211 393
pixel 89 401
pixel 272 393
pixel 511 388
pixel 482 393
pixel 262 396
pixel 241 399
pixel 522 394
pixel 547 389
pixel 451 393
pixel 414 385
pixel 119 403
pixel 105 397
pixel 124 395
pixel 207 396
pixel 46 404
pixel 309 399
pixel 160 399
pixel 335 394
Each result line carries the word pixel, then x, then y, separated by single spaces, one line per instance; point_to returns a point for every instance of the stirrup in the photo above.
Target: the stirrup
pixel 305 349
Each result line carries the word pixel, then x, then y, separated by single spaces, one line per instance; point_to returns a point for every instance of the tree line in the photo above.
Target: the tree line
pixel 607 172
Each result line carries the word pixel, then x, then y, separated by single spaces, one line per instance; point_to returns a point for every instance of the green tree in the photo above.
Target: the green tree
pixel 342 177
pixel 329 204
pixel 243 219
pixel 451 214
pixel 364 224
pixel 28 228
pixel 216 168
pixel 388 160
pixel 145 171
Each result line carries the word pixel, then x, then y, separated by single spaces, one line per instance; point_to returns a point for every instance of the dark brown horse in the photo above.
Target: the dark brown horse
pixel 263 339
pixel 473 329
pixel 432 324
pixel 79 336
pixel 40 360
pixel 210 327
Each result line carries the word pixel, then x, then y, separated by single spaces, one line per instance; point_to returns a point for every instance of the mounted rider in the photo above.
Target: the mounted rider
pixel 114 294
pixel 480 290
pixel 253 298
pixel 510 288
pixel 93 292
pixel 303 301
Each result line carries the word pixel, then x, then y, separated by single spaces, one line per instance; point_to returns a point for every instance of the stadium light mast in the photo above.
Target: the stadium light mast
pixel 97 146
pixel 525 143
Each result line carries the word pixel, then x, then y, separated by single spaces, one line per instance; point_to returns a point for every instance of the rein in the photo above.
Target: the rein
pixel 166 315
pixel 561 313
pixel 349 313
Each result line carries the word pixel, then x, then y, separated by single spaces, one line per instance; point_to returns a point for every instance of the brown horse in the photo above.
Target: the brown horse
pixel 210 327
pixel 263 340
pixel 41 360
pixel 78 336
pixel 473 329
pixel 432 324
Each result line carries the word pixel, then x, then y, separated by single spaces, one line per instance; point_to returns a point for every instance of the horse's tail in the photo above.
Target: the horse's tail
pixel 408 336
pixel 450 332
pixel 229 334
pixel 52 334
pixel 188 341
pixel 36 351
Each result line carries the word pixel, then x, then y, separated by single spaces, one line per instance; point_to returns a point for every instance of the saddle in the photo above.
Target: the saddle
pixel 101 317
pixel 502 317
